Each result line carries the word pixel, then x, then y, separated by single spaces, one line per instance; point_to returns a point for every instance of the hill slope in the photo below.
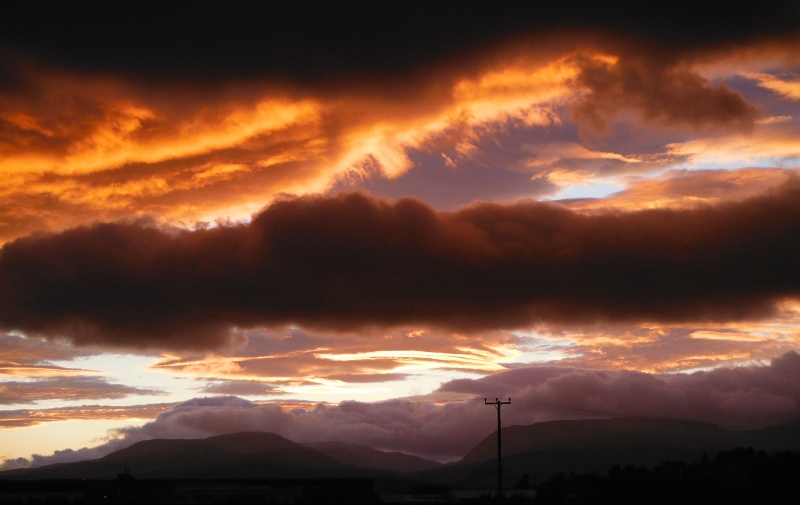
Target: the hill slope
pixel 367 457
pixel 240 455
pixel 594 445
pixel 539 450
pixel 616 433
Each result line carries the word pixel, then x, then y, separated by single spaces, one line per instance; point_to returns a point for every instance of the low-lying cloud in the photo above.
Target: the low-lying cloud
pixel 738 397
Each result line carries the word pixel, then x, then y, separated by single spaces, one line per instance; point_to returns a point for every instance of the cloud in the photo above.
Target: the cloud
pixel 426 429
pixel 789 89
pixel 662 91
pixel 662 348
pixel 689 189
pixel 20 351
pixel 77 147
pixel 352 261
pixel 737 397
pixel 31 357
pixel 294 361
pixel 15 369
pixel 30 417
pixel 307 42
pixel 241 388
pixel 113 443
pixel 67 388
pixel 769 145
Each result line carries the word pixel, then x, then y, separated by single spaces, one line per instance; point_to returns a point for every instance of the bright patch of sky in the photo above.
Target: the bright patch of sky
pixel 593 190
pixel 536 349
pixel 128 369
pixel 335 392
pixel 47 437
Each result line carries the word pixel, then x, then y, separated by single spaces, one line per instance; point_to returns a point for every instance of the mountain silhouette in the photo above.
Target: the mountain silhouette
pixel 240 455
pixel 539 450
pixel 594 445
pixel 600 433
pixel 367 457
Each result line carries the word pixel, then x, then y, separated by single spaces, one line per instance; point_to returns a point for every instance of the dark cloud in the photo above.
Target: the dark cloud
pixel 352 261
pixel 661 90
pixel 22 351
pixel 306 40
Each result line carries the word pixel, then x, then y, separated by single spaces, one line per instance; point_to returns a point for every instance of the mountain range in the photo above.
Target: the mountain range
pixel 538 450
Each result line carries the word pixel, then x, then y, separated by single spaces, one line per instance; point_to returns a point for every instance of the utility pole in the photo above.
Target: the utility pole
pixel 497 403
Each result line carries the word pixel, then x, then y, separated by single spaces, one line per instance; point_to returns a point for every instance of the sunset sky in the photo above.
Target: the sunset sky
pixel 340 223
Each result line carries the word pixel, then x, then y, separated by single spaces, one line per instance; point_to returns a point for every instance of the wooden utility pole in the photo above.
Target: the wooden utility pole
pixel 497 403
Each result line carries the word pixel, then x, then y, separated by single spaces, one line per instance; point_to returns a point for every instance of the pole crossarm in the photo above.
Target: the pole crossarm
pixel 498 404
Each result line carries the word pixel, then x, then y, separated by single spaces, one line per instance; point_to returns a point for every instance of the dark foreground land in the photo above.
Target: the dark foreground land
pixel 129 491
pixel 740 476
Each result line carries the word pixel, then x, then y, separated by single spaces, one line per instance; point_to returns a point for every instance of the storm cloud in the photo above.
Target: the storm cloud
pixel 666 92
pixel 353 261
pixel 306 40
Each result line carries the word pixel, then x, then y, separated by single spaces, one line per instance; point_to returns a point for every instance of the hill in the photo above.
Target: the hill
pixel 594 445
pixel 240 455
pixel 538 450
pixel 367 457
pixel 611 433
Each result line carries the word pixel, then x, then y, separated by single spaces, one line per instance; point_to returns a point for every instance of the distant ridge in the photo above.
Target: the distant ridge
pixel 240 455
pixel 539 450
pixel 367 457
pixel 594 445
pixel 617 433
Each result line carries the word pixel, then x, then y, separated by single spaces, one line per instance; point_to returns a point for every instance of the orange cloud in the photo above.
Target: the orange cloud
pixel 789 89
pixel 688 189
pixel 15 369
pixel 66 388
pixel 660 348
pixel 468 359
pixel 77 148
pixel 341 363
pixel 113 150
pixel 768 145
pixel 31 417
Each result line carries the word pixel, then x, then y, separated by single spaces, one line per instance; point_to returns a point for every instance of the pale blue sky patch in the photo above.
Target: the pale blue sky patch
pixel 592 190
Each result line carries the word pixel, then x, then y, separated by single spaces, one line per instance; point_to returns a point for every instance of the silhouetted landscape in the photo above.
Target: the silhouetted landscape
pixel 563 461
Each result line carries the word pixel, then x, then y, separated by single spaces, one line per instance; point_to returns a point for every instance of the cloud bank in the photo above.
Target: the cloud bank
pixel 353 261
pixel 738 398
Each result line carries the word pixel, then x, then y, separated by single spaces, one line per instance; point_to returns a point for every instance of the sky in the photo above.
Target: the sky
pixel 350 223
